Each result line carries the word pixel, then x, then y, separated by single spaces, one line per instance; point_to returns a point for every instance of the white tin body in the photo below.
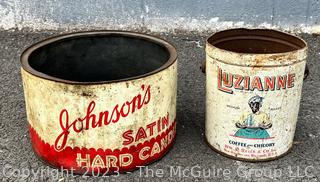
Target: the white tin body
pixel 237 81
pixel 106 127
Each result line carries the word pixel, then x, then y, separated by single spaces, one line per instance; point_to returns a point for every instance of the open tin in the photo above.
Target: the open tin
pixel 100 102
pixel 253 88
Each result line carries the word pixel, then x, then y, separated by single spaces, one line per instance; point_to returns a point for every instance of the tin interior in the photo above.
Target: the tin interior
pixel 98 57
pixel 256 41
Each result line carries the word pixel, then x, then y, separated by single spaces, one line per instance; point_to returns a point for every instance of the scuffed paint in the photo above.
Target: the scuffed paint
pixel 154 25
pixel 315 29
pixel 104 126
pixel 73 125
pixel 152 16
pixel 237 80
pixel 7 20
pixel 214 24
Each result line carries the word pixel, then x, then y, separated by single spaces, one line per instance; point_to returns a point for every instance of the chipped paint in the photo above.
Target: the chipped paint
pixel 156 25
pixel 155 17
pixel 106 127
pixel 235 126
pixel 53 109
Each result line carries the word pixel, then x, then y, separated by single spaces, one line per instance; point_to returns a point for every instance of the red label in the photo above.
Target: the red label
pixel 229 81
pixel 104 118
pixel 99 160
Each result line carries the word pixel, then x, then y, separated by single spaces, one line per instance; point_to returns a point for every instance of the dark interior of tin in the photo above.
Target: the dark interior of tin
pixel 256 41
pixel 98 58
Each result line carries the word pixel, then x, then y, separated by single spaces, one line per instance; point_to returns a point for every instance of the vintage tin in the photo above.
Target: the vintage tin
pixel 100 102
pixel 253 88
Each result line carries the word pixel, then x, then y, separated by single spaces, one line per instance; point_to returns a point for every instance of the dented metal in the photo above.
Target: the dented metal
pixel 254 82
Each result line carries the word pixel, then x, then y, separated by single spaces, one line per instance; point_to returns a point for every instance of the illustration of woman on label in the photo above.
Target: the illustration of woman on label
pixel 254 124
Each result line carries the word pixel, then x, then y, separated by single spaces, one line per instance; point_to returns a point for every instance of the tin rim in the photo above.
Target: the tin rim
pixel 295 42
pixel 24 59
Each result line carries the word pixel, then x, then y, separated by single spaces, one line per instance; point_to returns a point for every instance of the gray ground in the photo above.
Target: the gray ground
pixel 18 162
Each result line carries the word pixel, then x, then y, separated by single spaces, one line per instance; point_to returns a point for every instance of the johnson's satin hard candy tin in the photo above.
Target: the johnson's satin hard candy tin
pixel 101 102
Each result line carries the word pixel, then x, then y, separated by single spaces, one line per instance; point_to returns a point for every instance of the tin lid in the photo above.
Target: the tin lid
pixel 256 47
pixel 128 55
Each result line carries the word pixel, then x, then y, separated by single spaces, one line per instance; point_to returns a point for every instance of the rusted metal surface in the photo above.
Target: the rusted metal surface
pixel 100 121
pixel 254 82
